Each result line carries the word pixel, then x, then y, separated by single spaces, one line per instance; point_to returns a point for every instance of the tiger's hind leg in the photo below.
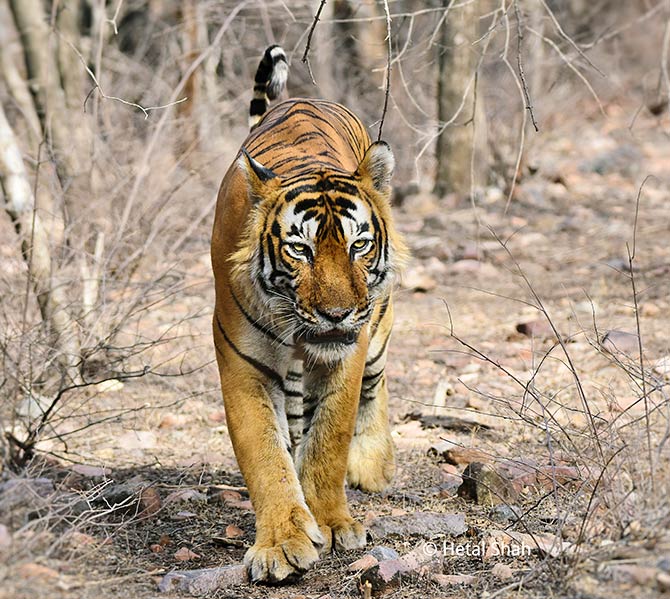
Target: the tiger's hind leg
pixel 371 462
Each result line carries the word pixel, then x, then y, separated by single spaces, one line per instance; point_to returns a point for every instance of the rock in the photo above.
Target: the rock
pixel 33 570
pixel 640 575
pixel 502 571
pixel 448 580
pixel 515 544
pixel 662 367
pixel 133 440
pixel 451 454
pixel 483 269
pixel 366 562
pixel 663 581
pixel 205 581
pixel 621 342
pixel 451 479
pixel 649 310
pixel 80 540
pixel 150 502
pixel 5 538
pixel 387 573
pixel 184 515
pixel 232 531
pixel 184 554
pixel 557 474
pixel 26 492
pixel 424 524
pixel 521 472
pixel 90 471
pixel 485 485
pixel 417 279
pixel 383 576
pixel 185 495
pixel 536 329
pixel 380 552
pixel 504 513
pixel 623 160
pixel 453 423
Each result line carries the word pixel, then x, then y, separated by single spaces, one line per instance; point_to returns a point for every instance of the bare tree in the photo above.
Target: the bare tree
pixel 458 104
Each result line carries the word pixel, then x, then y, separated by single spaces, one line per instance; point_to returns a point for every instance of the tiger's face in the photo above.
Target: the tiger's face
pixel 323 251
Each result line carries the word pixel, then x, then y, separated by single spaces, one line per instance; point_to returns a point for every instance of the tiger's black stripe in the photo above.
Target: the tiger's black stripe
pixel 254 323
pixel 262 368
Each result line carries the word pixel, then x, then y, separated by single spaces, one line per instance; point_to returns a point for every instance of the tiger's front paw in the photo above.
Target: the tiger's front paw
pixel 285 547
pixel 342 536
pixel 371 463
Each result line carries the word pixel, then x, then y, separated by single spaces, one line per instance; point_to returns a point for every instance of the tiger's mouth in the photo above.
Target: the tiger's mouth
pixel 334 336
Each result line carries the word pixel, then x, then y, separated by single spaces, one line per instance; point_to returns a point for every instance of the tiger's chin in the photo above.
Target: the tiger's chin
pixel 329 346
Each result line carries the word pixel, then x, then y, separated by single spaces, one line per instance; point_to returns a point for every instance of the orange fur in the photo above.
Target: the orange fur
pixel 323 300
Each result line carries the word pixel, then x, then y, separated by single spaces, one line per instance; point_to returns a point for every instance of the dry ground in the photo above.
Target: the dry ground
pixel 563 237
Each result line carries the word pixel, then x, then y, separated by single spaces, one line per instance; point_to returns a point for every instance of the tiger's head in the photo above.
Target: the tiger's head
pixel 321 249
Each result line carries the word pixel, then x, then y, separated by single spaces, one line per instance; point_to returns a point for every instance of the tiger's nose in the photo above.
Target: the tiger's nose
pixel 334 315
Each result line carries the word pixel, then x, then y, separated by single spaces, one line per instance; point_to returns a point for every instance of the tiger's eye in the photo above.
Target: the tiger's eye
pixel 301 248
pixel 361 244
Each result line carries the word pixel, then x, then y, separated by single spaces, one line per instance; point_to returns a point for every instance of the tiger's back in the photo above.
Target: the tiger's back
pixel 304 254
pixel 301 136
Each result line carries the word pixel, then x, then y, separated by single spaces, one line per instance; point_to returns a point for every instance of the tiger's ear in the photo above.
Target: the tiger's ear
pixel 377 166
pixel 259 179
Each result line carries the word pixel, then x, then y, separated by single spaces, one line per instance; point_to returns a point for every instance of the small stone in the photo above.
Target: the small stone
pixel 448 580
pixel 380 552
pixel 184 554
pixel 90 471
pixel 548 476
pixel 204 581
pixel 169 421
pixel 232 531
pixel 648 309
pixel 663 581
pixel 5 538
pixel 80 539
pixel 536 329
pixel 640 575
pixel 620 342
pixel 662 367
pixel 502 571
pixel 156 548
pixel 365 563
pixel 485 485
pixel 150 502
pixel 384 576
pixel 184 515
pixel 452 454
pixel 504 513
pixel 185 495
pixel 417 279
pixel 424 524
pixel 33 570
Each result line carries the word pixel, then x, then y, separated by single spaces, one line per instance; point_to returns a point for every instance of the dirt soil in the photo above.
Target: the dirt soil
pixel 158 489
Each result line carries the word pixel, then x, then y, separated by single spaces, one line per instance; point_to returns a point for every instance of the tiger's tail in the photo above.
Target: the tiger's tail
pixel 269 81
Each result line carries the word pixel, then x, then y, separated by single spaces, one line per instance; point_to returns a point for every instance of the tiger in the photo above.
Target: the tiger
pixel 304 254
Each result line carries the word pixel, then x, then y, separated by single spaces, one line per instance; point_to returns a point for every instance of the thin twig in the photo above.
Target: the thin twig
pixel 305 56
pixel 524 85
pixel 388 68
pixel 631 258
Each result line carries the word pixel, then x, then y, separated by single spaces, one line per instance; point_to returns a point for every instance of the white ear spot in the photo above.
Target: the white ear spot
pixel 378 164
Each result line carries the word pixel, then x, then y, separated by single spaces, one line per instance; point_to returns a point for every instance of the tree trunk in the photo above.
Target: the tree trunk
pixel 20 205
pixel 457 62
pixel 69 137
